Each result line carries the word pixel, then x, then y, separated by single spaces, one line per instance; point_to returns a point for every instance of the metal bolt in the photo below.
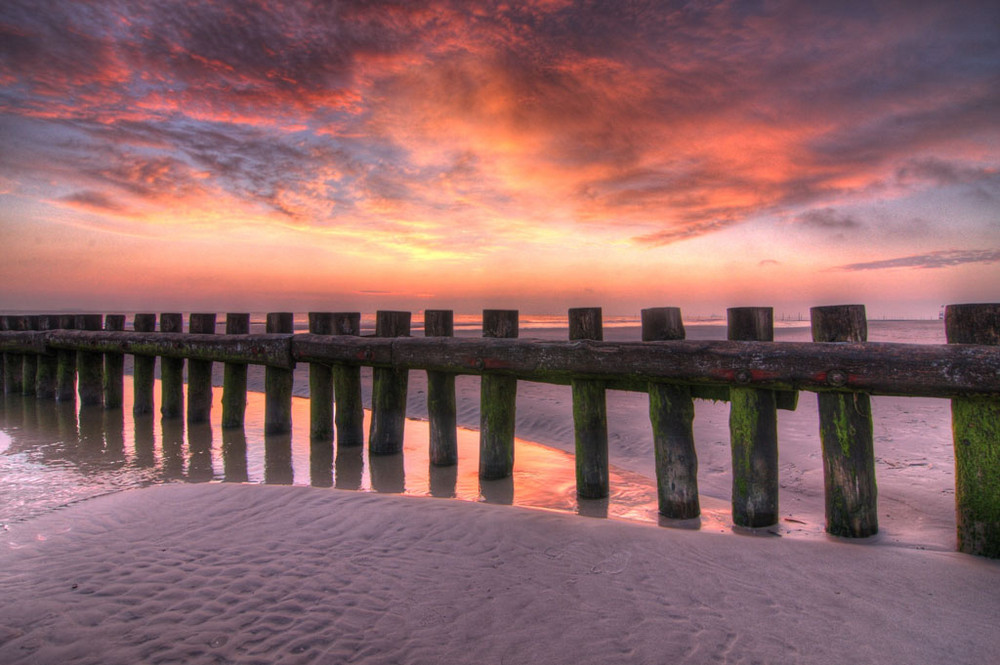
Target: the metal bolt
pixel 836 377
pixel 743 376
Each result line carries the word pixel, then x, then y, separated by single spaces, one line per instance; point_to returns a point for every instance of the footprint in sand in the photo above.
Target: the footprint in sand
pixel 614 564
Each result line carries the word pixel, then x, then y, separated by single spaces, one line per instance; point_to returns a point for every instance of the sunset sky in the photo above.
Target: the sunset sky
pixel 254 155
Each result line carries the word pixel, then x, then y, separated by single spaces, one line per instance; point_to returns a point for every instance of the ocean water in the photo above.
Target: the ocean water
pixel 53 455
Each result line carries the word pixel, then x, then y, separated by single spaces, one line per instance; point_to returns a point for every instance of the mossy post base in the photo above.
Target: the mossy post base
pixel 753 430
pixel 199 380
pixel 975 423
pixel 497 405
pixel 143 370
pixel 90 365
pixel 320 384
pixel 389 391
pixel 671 412
pixel 349 417
pixel 278 381
pixel 441 406
pixel 845 428
pixel 590 413
pixel 171 372
pixel 234 377
pixel 114 367
pixel 45 379
pixel 66 365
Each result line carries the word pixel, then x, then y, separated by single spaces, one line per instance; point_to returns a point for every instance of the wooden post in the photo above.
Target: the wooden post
pixel 90 365
pixel 199 379
pixel 389 391
pixel 975 423
pixel 143 370
pixel 66 365
pixel 13 362
pixel 441 407
pixel 845 429
pixel 114 367
pixel 321 385
pixel 350 413
pixel 590 413
pixel 234 378
pixel 278 383
pixel 497 408
pixel 29 365
pixel 171 372
pixel 753 430
pixel 671 412
pixel 45 379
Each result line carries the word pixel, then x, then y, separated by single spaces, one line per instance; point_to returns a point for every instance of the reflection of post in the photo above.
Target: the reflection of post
pixel 498 395
pixel 845 428
pixel 278 459
pixel 66 365
pixel 350 414
pixel 321 384
pixel 976 430
pixel 349 469
pixel 320 463
pixel 200 448
pixel 171 371
pixel 498 490
pixel 753 430
pixel 278 382
pixel 234 455
pixel 234 377
pixel 92 429
pixel 671 412
pixel 173 447
pixel 48 364
pixel 145 455
pixel 90 365
pixel 590 413
pixel 389 391
pixel 143 370
pixel 114 367
pixel 443 480
pixel 441 408
pixel 388 474
pixel 114 434
pixel 29 365
pixel 67 423
pixel 199 380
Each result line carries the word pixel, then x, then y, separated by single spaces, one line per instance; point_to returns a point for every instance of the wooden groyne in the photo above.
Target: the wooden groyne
pixel 62 357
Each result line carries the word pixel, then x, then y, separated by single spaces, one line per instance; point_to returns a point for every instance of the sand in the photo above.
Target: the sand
pixel 221 573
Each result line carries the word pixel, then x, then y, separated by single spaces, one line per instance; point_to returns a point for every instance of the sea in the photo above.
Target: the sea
pixel 55 455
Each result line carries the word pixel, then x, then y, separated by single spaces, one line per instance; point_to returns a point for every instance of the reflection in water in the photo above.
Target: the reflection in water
pixel 499 491
pixel 350 467
pixel 321 463
pixel 443 480
pixel 66 417
pixel 91 432
pixel 387 473
pixel 234 455
pixel 173 447
pixel 592 507
pixel 145 453
pixel 278 459
pixel 114 435
pixel 200 451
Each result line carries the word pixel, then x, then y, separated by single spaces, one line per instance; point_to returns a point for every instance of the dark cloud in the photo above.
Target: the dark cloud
pixel 942 259
pixel 94 201
pixel 828 218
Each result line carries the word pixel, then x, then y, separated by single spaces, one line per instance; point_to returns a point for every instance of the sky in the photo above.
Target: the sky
pixel 319 155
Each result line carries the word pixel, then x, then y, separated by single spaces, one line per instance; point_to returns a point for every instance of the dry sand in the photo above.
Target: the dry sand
pixel 258 574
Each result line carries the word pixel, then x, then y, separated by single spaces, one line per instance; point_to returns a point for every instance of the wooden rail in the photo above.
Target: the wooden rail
pixel 757 376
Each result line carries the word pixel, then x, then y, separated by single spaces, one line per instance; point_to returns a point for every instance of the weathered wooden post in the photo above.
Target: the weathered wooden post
pixel 278 385
pixel 199 379
pixel 389 391
pixel 753 429
pixel 13 362
pixel 90 365
pixel 66 365
pixel 234 378
pixel 350 413
pixel 143 370
pixel 441 407
pixel 321 385
pixel 671 413
pixel 975 423
pixel 45 379
pixel 114 367
pixel 29 365
pixel 845 429
pixel 171 371
pixel 590 412
pixel 497 404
